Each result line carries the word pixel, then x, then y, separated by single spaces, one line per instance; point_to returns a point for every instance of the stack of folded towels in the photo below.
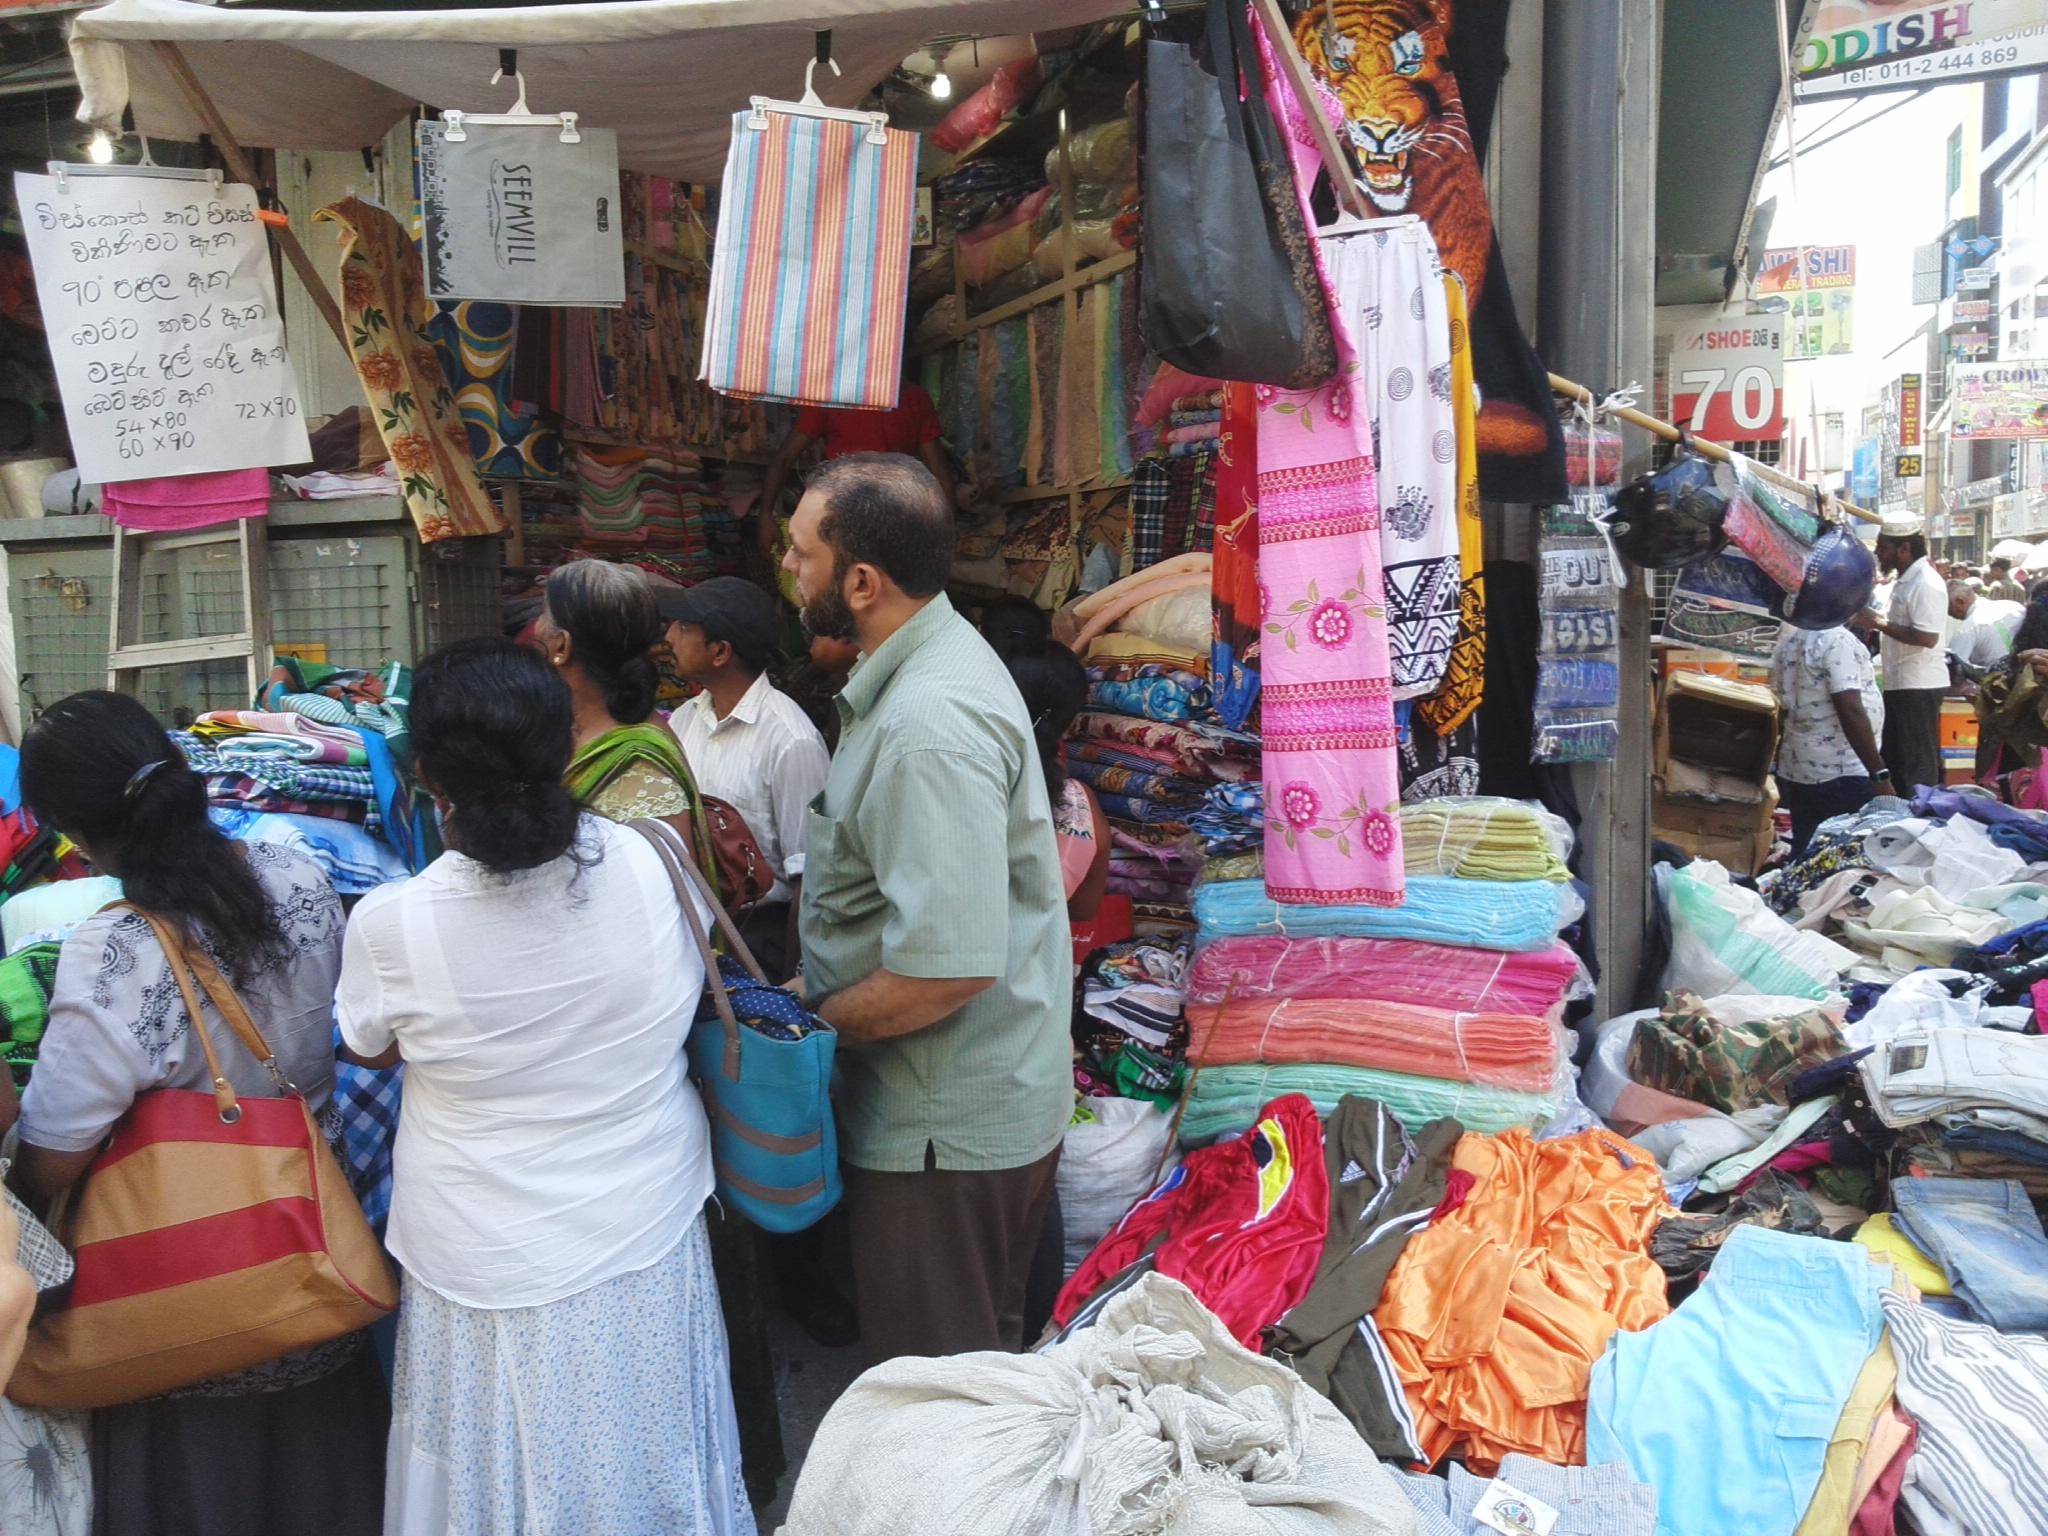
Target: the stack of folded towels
pixel 1450 1004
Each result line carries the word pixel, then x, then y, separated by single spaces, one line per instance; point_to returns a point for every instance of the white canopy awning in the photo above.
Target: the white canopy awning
pixel 666 75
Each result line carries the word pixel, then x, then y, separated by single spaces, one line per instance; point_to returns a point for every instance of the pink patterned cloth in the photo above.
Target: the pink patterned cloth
pixel 1333 793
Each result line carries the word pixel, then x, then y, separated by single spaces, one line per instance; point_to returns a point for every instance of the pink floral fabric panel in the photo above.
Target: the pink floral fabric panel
pixel 1333 827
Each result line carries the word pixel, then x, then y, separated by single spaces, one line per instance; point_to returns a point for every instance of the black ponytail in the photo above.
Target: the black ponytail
pixel 1055 689
pixel 492 730
pixel 608 613
pixel 99 768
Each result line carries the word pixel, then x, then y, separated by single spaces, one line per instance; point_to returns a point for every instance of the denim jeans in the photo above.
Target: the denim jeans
pixel 1988 1241
pixel 1811 804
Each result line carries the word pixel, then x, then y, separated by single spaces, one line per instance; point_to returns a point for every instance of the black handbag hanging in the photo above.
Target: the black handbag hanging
pixel 1228 281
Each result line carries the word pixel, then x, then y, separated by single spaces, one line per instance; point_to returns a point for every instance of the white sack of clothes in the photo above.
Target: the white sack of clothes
pixel 1107 1165
pixel 1725 940
pixel 1153 1422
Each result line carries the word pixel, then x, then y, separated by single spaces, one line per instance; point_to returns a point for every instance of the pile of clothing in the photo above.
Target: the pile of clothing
pixel 1172 781
pixel 1445 1289
pixel 1130 1033
pixel 1913 885
pixel 1449 1004
pixel 1173 488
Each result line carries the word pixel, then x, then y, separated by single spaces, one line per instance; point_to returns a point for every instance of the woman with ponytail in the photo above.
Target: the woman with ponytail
pixel 561 1361
pixel 600 628
pixel 295 1445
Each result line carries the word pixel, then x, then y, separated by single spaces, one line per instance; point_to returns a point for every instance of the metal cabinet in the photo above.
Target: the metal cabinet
pixel 348 579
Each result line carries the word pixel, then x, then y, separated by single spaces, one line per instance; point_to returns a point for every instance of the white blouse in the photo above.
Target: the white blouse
pixel 549 1139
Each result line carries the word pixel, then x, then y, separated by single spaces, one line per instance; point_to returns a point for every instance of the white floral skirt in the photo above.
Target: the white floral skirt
pixel 607 1413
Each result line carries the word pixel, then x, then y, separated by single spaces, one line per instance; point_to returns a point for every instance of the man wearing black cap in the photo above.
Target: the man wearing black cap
pixel 747 742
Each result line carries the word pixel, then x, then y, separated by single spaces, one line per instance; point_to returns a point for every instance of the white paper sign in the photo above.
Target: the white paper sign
pixel 161 309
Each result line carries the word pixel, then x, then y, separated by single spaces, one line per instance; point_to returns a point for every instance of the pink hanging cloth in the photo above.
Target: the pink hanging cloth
pixel 179 503
pixel 1333 793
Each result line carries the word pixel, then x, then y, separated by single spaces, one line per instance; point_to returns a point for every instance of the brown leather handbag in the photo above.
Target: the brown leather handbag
pixel 742 869
pixel 211 1235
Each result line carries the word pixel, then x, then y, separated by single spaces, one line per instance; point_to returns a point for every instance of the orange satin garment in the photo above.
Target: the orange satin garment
pixel 1495 1314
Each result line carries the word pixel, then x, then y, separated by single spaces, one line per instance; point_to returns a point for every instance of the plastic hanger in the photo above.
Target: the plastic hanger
pixel 1352 224
pixel 520 116
pixel 811 105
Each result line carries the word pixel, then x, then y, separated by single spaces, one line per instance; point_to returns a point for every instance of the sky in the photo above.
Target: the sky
pixel 1880 188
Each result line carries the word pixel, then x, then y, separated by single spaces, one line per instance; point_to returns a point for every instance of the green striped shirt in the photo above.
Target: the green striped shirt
pixel 930 853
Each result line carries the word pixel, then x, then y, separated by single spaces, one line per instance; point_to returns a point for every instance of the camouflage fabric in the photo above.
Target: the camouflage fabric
pixel 1685 1245
pixel 1689 1052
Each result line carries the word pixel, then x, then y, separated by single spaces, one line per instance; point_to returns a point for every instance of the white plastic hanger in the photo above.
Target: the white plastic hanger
pixel 810 105
pixel 519 117
pixel 1352 224
pixel 147 169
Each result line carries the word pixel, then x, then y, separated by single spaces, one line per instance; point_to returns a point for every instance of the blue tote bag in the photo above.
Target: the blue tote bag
pixel 764 1066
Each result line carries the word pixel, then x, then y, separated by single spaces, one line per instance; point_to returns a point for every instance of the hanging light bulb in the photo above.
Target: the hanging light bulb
pixel 942 86
pixel 100 151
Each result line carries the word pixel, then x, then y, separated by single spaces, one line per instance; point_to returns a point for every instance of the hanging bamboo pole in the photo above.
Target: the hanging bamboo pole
pixel 1710 450
pixel 243 169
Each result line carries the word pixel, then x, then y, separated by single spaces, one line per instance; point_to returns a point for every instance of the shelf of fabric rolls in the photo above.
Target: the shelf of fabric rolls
pixel 350 581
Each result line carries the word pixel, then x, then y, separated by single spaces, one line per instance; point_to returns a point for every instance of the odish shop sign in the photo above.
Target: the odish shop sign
pixel 1852 46
pixel 1727 377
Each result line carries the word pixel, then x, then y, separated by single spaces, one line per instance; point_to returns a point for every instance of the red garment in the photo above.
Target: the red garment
pixel 1241 1224
pixel 1877 1515
pixel 1457 1190
pixel 914 423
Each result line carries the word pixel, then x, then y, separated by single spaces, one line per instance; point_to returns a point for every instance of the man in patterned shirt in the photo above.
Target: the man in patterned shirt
pixel 1830 717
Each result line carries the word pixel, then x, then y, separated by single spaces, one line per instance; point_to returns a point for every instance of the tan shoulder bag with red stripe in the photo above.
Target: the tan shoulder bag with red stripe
pixel 212 1234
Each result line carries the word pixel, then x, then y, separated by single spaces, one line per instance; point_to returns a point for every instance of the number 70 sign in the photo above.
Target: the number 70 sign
pixel 1727 378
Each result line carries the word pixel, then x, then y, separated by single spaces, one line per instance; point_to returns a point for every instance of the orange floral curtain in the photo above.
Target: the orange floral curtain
pixel 385 308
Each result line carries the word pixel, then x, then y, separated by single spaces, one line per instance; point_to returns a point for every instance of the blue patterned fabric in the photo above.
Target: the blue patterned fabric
pixel 1148 698
pixel 757 1005
pixel 367 1104
pixel 353 861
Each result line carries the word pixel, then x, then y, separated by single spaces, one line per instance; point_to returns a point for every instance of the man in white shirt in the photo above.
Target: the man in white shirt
pixel 1910 651
pixel 1830 715
pixel 747 742
pixel 1983 626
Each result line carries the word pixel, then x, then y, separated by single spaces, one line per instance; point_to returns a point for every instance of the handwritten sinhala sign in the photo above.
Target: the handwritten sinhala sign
pixel 159 301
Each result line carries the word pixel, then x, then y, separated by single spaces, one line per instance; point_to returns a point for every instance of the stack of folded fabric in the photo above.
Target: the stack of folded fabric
pixel 609 499
pixel 1449 1004
pixel 373 706
pixel 1130 1034
pixel 1149 746
pixel 264 782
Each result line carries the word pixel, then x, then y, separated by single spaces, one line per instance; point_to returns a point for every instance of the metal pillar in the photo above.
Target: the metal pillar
pixel 1595 294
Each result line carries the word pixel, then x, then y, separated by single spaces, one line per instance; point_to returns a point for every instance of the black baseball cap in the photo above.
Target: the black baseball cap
pixel 727 608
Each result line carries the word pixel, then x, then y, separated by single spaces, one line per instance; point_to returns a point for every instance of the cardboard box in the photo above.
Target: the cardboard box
pixel 1737 837
pixel 1716 741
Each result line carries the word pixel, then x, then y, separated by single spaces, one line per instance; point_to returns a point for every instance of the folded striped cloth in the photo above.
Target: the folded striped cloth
pixel 1502 1050
pixel 1225 1100
pixel 1161 788
pixel 1483 838
pixel 1475 914
pixel 1384 970
pixel 279 776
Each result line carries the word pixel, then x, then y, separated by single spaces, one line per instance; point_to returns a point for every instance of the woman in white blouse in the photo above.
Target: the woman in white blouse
pixel 561 1359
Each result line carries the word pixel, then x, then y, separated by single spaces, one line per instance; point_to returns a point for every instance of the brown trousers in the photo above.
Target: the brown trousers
pixel 940 1259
